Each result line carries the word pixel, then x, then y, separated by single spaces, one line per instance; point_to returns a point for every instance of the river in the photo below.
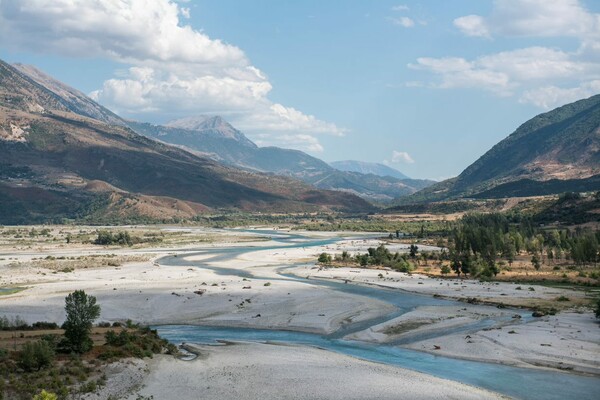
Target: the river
pixel 516 382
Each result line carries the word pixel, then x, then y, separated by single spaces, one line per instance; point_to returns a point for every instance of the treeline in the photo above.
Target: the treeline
pixel 477 241
pixel 417 229
pixel 380 256
pixel 123 238
pixel 18 324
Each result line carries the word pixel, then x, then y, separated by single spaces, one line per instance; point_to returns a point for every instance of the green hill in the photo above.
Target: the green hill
pixel 554 152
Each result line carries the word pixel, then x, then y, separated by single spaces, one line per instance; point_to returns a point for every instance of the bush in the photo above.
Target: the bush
pixel 36 355
pixel 324 258
pixel 43 395
pixel 402 266
pixel 107 238
pixel 43 325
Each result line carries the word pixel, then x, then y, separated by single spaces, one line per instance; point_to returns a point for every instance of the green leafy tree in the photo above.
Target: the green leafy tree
pixel 82 311
pixel 324 258
pixel 414 249
pixel 104 238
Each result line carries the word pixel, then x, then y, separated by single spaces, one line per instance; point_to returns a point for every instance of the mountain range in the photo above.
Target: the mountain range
pixel 368 168
pixel 554 152
pixel 216 138
pixel 65 156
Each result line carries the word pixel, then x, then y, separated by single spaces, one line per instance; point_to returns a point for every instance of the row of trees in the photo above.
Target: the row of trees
pixel 477 243
pixel 376 256
pixel 479 240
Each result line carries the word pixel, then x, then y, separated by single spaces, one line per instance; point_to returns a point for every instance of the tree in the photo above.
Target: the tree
pixel 82 311
pixel 324 258
pixel 413 251
pixel 445 270
pixel 535 261
pixel 104 238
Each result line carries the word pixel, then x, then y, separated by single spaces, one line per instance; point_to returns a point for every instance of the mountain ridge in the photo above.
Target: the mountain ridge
pixel 368 168
pixel 51 152
pixel 561 145
pixel 213 137
pixel 234 148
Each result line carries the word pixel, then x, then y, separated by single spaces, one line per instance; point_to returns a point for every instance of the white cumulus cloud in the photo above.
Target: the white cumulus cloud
pixel 542 76
pixel 533 18
pixel 472 25
pixel 401 157
pixel 550 96
pixel 172 69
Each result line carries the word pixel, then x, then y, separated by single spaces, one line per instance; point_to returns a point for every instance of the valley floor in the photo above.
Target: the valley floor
pixel 217 284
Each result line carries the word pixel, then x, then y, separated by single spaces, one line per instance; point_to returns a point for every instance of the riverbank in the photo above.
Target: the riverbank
pixel 150 292
pixel 268 371
pixel 567 341
pixel 217 284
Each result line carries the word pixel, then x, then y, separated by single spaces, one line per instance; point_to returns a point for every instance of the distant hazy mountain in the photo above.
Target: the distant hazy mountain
pixel 553 152
pixel 215 137
pixel 211 126
pixel 368 168
pixel 57 163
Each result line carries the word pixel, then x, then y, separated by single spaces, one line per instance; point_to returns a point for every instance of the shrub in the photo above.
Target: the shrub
pixel 36 355
pixel 324 258
pixel 43 395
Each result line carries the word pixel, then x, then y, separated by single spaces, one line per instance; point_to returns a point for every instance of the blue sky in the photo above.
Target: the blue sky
pixel 424 86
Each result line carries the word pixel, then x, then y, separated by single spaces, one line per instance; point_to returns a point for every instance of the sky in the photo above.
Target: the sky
pixel 426 87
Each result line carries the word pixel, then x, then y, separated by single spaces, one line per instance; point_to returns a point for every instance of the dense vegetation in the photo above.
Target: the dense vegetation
pixel 481 245
pixel 479 240
pixel 68 365
pixel 372 224
pixel 379 256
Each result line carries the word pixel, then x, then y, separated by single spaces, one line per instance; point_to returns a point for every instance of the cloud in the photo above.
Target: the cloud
pixel 172 69
pixel 456 72
pixel 552 96
pixel 401 7
pixel 472 25
pixel 535 18
pixel 127 31
pixel 403 21
pixel 298 141
pixel 401 157
pixel 542 76
pixel 504 72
